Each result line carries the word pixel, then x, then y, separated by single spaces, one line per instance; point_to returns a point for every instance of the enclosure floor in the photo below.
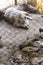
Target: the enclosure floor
pixel 11 34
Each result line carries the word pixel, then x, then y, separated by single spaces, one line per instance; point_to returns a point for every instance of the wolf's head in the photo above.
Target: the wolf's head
pixel 23 21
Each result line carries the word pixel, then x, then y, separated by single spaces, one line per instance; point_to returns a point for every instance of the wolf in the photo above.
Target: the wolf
pixel 16 17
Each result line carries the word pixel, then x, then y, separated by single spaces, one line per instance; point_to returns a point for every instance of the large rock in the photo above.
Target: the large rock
pixel 30 49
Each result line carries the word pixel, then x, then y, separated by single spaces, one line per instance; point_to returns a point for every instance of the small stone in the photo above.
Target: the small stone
pixel 39 43
pixel 41 51
pixel 41 35
pixel 34 54
pixel 17 57
pixel 37 60
pixel 10 62
pixel 24 44
pixel 30 49
pixel 41 29
pixel 42 63
pixel 1 45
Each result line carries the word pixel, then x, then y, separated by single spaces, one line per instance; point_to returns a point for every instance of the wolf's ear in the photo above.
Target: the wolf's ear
pixel 28 17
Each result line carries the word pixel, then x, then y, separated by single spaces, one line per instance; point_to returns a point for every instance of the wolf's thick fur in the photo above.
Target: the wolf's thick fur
pixel 16 17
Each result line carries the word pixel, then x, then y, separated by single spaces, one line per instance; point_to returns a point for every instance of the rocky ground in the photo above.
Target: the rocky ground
pixel 22 47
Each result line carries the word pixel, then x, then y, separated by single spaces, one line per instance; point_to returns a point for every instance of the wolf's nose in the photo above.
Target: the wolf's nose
pixel 27 27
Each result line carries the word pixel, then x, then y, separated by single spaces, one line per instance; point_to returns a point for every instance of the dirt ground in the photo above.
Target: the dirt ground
pixel 11 35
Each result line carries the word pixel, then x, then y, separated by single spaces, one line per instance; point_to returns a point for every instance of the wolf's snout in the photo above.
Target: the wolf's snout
pixel 26 27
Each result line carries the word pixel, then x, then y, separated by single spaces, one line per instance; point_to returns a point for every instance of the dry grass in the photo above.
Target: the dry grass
pixel 40 6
